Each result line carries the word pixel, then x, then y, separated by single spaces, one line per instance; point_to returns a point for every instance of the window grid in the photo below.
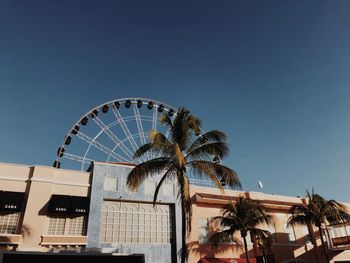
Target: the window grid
pixel 76 226
pixel 136 223
pixel 61 225
pixel 110 184
pixel 56 225
pixel 9 223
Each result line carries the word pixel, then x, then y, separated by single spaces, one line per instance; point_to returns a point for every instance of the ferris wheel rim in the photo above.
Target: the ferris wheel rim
pixel 133 100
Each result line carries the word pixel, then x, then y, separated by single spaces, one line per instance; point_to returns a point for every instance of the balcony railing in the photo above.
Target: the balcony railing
pixel 338 236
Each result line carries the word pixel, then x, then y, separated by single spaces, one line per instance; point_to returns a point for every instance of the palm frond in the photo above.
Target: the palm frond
pixel 211 136
pixel 148 147
pixel 143 170
pixel 178 133
pixel 298 209
pixel 261 217
pixel 170 172
pixel 208 150
pixel 229 176
pixel 205 168
pixel 218 173
pixel 165 119
pixel 243 216
pixel 159 139
pixel 318 211
pixel 229 209
pixel 262 236
pixel 184 126
pixel 225 236
pixel 194 124
pixel 335 212
pixel 259 232
pixel 298 220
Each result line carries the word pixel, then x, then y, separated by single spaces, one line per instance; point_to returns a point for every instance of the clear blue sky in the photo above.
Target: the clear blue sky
pixel 273 75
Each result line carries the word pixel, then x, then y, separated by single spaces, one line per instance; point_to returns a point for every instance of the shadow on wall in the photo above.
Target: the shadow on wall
pixel 209 250
pixel 300 249
pixel 8 243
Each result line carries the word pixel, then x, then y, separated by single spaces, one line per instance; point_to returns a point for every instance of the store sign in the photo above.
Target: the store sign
pixel 11 201
pixel 80 205
pixel 59 204
pixel 69 205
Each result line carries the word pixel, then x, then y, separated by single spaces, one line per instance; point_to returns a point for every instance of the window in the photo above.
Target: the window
pixel 272 230
pixel 76 226
pixel 305 232
pixel 168 189
pixel 203 230
pixel 62 225
pixel 136 223
pixel 110 184
pixel 56 225
pixel 150 188
pixel 290 233
pixel 9 223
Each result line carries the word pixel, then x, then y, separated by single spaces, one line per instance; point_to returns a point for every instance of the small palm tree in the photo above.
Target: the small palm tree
pixel 264 242
pixel 319 212
pixel 186 151
pixel 244 216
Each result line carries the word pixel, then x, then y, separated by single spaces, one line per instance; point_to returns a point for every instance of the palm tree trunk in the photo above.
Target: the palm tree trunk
pixel 264 255
pixel 184 233
pixel 246 249
pixel 323 245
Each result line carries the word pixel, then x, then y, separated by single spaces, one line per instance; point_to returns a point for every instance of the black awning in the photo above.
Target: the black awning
pixel 59 204
pixel 80 205
pixel 11 201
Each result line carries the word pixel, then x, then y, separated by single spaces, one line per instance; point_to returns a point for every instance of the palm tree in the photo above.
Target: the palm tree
pixel 181 154
pixel 242 216
pixel 264 242
pixel 319 212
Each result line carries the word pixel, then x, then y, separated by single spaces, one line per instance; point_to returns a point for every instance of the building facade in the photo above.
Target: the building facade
pixel 45 209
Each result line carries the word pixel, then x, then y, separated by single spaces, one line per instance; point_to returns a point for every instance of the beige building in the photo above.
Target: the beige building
pixel 47 209
pixel 31 226
pixel 289 244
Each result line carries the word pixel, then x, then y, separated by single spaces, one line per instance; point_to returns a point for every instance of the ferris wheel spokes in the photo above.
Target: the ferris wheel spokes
pixel 112 136
pixel 116 134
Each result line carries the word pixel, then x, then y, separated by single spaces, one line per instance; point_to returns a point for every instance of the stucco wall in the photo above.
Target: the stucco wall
pixel 153 252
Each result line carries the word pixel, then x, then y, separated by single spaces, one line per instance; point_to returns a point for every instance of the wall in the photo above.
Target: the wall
pixel 153 252
pixel 39 183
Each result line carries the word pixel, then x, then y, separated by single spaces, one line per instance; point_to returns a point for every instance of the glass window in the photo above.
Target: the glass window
pixel 76 226
pixel 272 230
pixel 305 232
pixel 136 223
pixel 203 230
pixel 110 184
pixel 9 223
pixel 168 189
pixel 72 226
pixel 56 225
pixel 150 188
pixel 289 230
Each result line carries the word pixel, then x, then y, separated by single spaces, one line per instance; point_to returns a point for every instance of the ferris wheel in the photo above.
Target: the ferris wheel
pixel 112 132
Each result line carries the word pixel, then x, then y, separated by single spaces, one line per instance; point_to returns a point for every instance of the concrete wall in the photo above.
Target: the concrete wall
pixel 153 252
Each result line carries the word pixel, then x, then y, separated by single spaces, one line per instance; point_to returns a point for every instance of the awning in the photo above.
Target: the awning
pixel 226 260
pixel 68 205
pixel 11 201
pixel 59 204
pixel 80 205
